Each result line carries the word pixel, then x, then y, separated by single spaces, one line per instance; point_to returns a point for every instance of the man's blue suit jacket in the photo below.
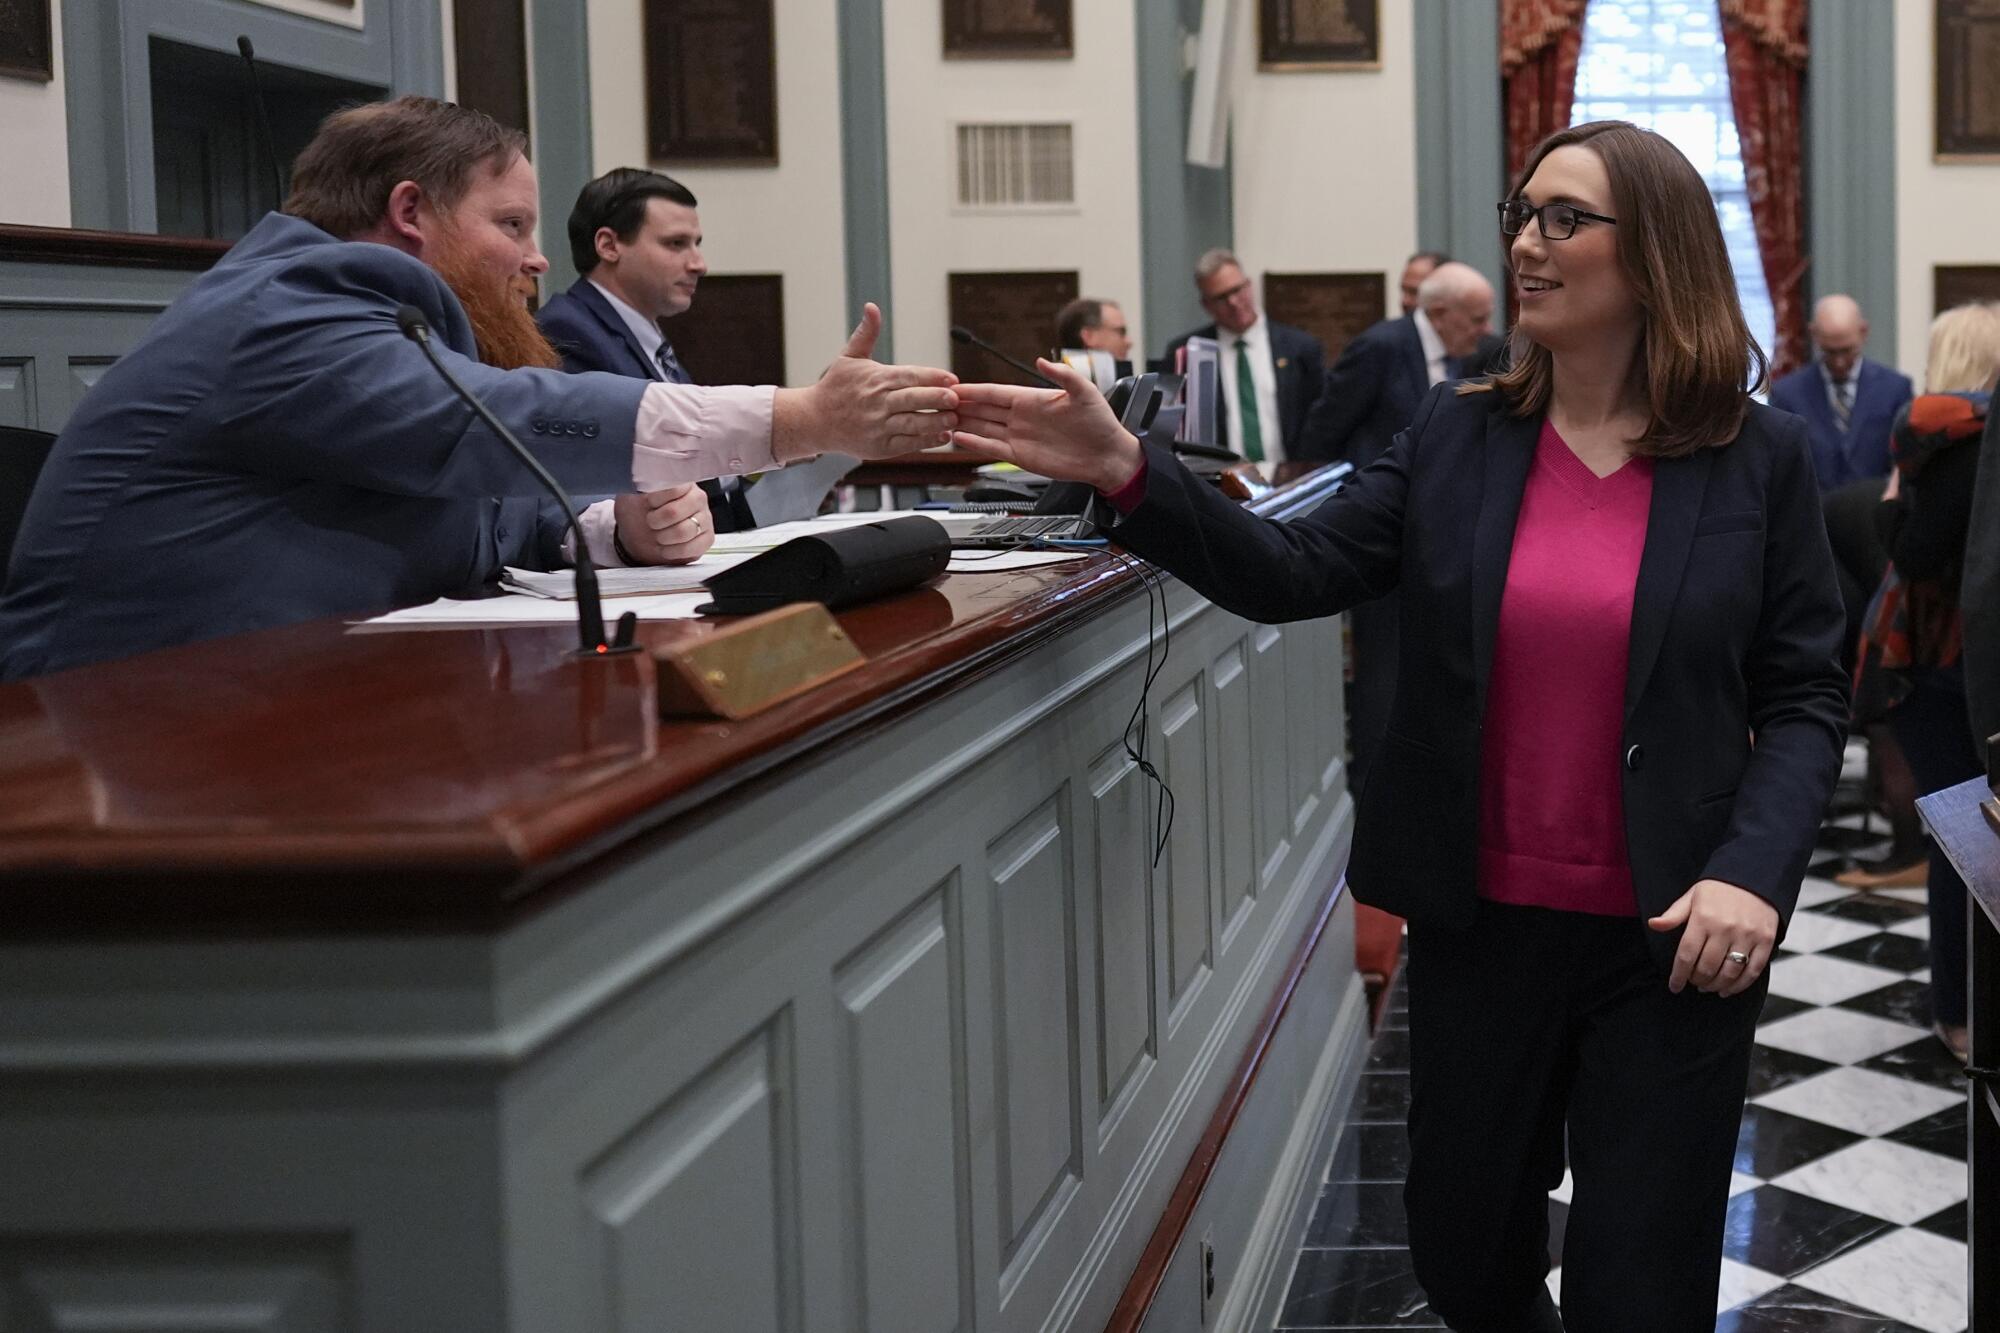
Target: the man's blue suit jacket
pixel 274 450
pixel 1370 396
pixel 590 335
pixel 1862 450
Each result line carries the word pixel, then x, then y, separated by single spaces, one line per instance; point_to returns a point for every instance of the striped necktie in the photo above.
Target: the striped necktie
pixel 1843 402
pixel 670 365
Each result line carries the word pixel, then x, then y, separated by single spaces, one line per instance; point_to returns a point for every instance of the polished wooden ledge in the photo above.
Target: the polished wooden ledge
pixel 122 249
pixel 322 776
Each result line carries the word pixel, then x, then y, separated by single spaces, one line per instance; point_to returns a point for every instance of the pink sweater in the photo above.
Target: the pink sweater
pixel 1551 809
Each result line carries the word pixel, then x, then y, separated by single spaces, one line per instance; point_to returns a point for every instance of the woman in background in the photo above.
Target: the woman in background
pixel 1923 520
pixel 1614 576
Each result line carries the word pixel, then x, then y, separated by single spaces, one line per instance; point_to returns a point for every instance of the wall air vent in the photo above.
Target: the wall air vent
pixel 1016 166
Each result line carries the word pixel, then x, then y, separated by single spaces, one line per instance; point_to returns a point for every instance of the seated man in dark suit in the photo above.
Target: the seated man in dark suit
pixel 274 450
pixel 636 239
pixel 1848 401
pixel 1094 325
pixel 1371 394
pixel 1270 372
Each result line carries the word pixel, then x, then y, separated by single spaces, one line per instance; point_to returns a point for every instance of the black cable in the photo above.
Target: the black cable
pixel 1159 630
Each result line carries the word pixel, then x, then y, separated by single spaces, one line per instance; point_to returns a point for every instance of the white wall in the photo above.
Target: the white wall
pixel 1325 162
pixel 348 16
pixel 928 96
pixel 34 144
pixel 757 219
pixel 1946 213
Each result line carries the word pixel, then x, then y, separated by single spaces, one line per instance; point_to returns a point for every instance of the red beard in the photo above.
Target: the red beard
pixel 506 334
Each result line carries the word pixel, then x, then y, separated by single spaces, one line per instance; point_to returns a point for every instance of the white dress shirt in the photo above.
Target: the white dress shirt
pixel 1264 374
pixel 1437 363
pixel 729 425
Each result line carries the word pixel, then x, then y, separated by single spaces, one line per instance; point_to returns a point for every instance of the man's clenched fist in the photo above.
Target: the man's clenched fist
pixel 664 527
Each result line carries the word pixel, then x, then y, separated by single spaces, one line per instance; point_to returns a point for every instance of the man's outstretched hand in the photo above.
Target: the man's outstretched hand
pixel 863 407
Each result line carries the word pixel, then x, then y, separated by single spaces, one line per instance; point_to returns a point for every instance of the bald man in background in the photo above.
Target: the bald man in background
pixel 1848 401
pixel 1372 393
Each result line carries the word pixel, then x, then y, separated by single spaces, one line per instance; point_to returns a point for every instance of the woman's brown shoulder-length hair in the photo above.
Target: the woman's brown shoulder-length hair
pixel 1698 358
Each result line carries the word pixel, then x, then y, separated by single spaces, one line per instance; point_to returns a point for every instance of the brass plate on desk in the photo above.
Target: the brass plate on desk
pixel 745 667
pixel 1991 809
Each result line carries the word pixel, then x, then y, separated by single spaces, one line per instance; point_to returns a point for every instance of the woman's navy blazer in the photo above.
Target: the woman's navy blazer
pixel 1735 699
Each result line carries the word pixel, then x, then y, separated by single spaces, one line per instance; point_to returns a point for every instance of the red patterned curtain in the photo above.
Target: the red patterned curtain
pixel 1765 41
pixel 1539 44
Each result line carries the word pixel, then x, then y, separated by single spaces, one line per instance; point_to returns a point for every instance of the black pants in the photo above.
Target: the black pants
pixel 1934 727
pixel 1531 1022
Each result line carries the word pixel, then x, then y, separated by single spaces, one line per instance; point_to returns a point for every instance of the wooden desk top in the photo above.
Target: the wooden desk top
pixel 319 776
pixel 1969 842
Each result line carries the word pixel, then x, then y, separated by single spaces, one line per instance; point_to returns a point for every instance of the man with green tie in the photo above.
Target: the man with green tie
pixel 1270 372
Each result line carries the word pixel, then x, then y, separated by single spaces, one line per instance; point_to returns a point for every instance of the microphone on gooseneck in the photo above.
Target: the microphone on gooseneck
pixel 961 334
pixel 589 610
pixel 249 55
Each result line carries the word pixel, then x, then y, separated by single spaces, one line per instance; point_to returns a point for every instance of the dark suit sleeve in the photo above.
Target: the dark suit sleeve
pixel 1311 358
pixel 1797 692
pixel 1346 399
pixel 1347 551
pixel 337 394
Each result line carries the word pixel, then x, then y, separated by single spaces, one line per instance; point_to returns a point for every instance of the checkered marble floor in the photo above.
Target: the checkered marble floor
pixel 1847 1210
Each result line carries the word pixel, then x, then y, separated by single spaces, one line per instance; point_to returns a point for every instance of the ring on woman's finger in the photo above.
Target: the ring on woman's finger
pixel 1736 958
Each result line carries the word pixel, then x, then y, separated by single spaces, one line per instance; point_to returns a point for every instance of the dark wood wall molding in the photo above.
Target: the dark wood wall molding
pixel 490 42
pixel 1333 307
pixel 118 249
pixel 1016 312
pixel 711 81
pixel 734 333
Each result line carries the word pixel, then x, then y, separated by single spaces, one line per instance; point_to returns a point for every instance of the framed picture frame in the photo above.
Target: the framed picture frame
pixel 711 81
pixel 1009 29
pixel 1308 35
pixel 1957 284
pixel 27 42
pixel 1333 307
pixel 1965 62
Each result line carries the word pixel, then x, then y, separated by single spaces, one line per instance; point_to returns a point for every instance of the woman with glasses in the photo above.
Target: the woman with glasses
pixel 1619 714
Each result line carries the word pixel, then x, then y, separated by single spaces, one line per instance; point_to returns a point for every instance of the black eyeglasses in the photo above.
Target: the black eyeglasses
pixel 1558 221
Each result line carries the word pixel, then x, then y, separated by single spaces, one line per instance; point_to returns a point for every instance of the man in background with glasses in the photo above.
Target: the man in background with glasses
pixel 1270 372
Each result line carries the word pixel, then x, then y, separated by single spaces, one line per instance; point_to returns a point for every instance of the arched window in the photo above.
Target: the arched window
pixel 1659 63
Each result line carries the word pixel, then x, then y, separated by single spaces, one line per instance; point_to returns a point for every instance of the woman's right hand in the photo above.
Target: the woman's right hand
pixel 1068 432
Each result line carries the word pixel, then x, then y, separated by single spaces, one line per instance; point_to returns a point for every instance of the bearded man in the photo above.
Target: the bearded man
pixel 275 451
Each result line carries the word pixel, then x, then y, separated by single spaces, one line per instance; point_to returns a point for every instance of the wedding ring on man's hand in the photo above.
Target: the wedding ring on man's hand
pixel 1739 959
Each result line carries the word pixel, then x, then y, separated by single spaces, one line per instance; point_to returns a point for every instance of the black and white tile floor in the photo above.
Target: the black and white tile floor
pixel 1847 1211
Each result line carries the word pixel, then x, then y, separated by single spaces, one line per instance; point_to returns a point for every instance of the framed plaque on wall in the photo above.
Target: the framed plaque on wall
pixel 711 81
pixel 984 29
pixel 1333 307
pixel 1966 80
pixel 1016 312
pixel 734 333
pixel 27 48
pixel 1319 34
pixel 1959 284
